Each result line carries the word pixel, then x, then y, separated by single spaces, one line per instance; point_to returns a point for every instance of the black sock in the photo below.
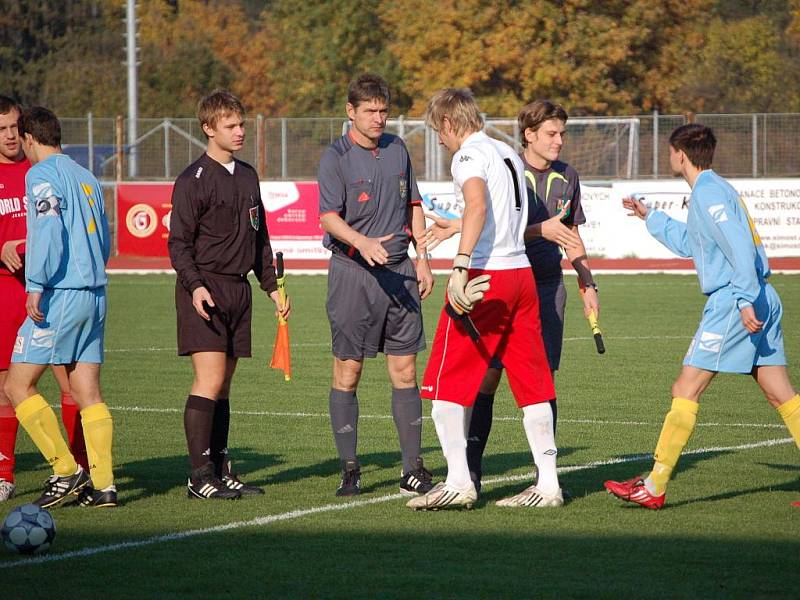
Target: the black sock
pixel 219 436
pixel 407 413
pixel 554 407
pixel 480 426
pixel 198 417
pixel 343 408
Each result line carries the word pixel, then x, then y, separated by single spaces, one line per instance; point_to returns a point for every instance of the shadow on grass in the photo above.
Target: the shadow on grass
pixel 440 560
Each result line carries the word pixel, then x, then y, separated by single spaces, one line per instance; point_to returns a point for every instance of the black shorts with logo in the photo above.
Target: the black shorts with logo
pixel 228 330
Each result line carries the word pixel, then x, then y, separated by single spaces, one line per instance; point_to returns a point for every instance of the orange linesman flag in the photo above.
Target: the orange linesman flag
pixel 281 355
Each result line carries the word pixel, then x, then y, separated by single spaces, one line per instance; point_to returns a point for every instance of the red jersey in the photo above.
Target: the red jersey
pixel 12 205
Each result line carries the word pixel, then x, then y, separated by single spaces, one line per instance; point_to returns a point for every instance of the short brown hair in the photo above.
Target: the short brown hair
pixel 697 141
pixel 218 104
pixel 537 112
pixel 42 125
pixel 8 104
pixel 367 87
pixel 460 108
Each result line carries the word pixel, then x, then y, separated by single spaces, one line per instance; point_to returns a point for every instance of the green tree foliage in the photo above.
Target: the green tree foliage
pixel 311 52
pixel 743 69
pixel 291 58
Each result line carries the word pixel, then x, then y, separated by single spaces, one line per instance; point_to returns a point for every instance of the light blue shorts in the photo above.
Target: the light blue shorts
pixel 72 330
pixel 722 343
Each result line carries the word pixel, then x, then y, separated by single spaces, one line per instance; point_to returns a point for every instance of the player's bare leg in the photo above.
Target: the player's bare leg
pixel 343 408
pixel 212 373
pixel 71 416
pixel 779 392
pixel 675 433
pixel 407 413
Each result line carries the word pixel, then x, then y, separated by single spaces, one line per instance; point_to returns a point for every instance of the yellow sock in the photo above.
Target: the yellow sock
pixel 677 429
pixel 39 420
pixel 790 411
pixel 98 431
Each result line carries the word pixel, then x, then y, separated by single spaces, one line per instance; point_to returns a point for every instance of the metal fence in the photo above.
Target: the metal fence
pixel 601 149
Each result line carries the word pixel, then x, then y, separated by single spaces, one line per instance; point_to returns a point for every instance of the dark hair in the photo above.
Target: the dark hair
pixel 218 104
pixel 534 114
pixel 368 87
pixel 8 104
pixel 697 142
pixel 42 124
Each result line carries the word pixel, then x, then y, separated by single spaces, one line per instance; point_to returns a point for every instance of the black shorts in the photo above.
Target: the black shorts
pixel 228 330
pixel 373 310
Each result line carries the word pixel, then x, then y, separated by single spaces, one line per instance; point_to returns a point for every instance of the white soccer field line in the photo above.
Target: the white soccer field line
pixel 327 344
pixel 300 415
pixel 296 514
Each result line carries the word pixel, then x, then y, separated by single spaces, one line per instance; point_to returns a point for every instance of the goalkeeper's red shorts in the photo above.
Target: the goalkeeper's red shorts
pixel 507 320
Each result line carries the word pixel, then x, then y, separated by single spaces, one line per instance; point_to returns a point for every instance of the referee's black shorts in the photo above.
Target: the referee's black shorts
pixel 228 330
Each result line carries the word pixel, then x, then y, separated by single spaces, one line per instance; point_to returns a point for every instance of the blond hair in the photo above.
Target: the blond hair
pixel 458 106
pixel 217 105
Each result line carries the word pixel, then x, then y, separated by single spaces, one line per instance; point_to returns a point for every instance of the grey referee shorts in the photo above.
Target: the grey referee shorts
pixel 373 310
pixel 552 301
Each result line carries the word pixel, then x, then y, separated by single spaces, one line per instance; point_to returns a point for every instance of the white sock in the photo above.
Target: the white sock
pixel 448 418
pixel 538 422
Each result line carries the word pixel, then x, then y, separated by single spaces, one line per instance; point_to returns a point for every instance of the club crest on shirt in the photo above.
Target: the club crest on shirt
pixel 403 189
pixel 254 217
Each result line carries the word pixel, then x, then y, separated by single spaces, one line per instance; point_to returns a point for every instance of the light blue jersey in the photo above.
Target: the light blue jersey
pixel 719 236
pixel 68 241
pixel 67 248
pixel 732 267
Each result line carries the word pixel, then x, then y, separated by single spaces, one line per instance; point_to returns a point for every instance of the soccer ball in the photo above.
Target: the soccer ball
pixel 29 529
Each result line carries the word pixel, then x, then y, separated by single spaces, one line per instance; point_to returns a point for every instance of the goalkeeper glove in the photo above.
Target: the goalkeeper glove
pixel 463 293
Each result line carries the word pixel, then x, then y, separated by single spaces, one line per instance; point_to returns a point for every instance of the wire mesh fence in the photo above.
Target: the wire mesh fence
pixel 600 148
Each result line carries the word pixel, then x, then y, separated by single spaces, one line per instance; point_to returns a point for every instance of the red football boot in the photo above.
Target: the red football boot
pixel 635 491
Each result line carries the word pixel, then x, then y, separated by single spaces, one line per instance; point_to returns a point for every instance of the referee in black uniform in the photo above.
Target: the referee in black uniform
pixel 218 234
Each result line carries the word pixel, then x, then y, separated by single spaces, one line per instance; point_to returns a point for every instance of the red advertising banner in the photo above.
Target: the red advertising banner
pixel 143 218
pixel 143 211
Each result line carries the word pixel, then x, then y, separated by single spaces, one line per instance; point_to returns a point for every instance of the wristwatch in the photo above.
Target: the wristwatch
pixel 592 285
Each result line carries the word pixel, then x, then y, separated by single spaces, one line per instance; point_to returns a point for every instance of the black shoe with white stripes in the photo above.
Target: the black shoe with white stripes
pixel 106 498
pixel 232 482
pixel 417 481
pixel 57 489
pixel 203 484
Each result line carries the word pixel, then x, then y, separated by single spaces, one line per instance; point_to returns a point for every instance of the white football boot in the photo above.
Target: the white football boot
pixel 533 497
pixel 6 490
pixel 444 496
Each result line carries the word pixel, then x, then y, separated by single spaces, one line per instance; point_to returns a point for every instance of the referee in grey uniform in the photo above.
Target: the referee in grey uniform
pixel 370 208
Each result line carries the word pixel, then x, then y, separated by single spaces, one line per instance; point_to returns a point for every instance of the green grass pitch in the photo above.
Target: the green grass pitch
pixel 728 529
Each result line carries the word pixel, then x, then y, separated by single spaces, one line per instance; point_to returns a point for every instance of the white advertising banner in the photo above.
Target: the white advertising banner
pixel 773 204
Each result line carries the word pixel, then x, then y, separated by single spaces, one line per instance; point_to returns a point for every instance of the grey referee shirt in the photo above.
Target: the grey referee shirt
pixel 372 190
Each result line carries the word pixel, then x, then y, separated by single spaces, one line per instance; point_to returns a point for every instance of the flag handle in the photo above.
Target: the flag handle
pixel 281 281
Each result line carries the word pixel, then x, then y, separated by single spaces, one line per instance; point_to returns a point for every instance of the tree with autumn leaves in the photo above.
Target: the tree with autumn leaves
pixel 288 58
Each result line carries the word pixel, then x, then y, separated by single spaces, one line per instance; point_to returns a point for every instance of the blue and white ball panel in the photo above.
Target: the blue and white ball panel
pixel 722 343
pixel 72 330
